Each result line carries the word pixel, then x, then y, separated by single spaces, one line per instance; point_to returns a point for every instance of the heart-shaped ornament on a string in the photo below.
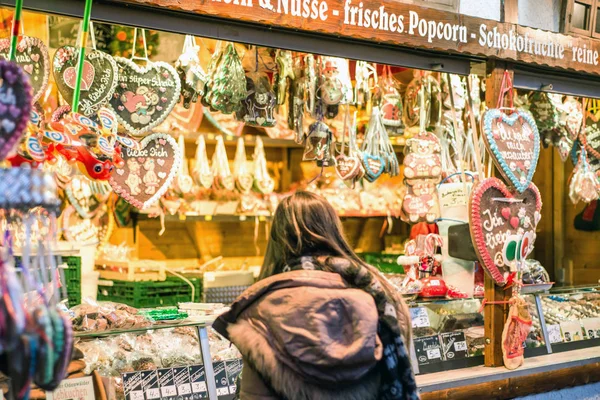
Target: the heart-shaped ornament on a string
pixel 147 172
pixel 98 82
pixel 32 56
pixel 503 225
pixel 145 95
pixel 15 106
pixel 347 167
pixel 514 142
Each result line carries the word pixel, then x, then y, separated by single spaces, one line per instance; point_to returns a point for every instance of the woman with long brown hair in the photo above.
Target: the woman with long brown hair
pixel 321 324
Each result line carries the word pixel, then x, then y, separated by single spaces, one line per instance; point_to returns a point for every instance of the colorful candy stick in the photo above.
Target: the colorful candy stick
pixel 85 27
pixel 16 26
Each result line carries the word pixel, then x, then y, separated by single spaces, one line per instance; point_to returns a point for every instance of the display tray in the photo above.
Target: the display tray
pixel 158 325
pixel 536 288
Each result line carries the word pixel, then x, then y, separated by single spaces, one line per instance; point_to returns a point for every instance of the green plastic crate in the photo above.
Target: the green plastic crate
pixel 72 276
pixel 151 294
pixel 384 262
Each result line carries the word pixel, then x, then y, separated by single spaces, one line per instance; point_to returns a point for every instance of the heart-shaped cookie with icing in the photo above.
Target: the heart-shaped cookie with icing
pixel 497 215
pixel 148 171
pixel 98 81
pixel 514 143
pixel 32 56
pixel 15 105
pixel 347 167
pixel 145 95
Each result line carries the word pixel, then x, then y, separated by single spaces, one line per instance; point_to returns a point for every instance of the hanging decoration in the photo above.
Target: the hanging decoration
pixel 584 184
pixel 99 77
pixel 241 173
pixel 378 155
pixel 191 74
pixel 258 107
pixel 183 182
pixel 317 146
pixel 391 103
pixel 263 183
pixel 348 165
pixel 15 106
pixel 223 179
pixel 285 74
pixel 512 139
pixel 297 101
pixel 227 84
pixel 202 172
pixel 96 148
pixel 499 217
pixel 423 91
pixel 146 94
pixel 147 172
pixel 32 57
pixel 516 329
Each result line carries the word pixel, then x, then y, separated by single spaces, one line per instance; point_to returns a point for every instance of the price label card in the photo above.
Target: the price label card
pixel 78 388
pixel 428 349
pixel 571 331
pixel 166 380
pixel 554 333
pixel 150 385
pixel 591 326
pixel 182 381
pixel 221 378
pixel 454 345
pixel 132 386
pixel 419 317
pixel 198 380
pixel 234 369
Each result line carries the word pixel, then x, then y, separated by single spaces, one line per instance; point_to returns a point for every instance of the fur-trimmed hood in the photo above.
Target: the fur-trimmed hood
pixel 308 335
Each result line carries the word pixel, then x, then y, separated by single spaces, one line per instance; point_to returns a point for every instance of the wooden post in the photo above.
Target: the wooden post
pixel 510 11
pixel 494 314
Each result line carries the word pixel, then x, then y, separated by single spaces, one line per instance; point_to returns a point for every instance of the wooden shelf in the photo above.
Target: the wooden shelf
pixel 239 218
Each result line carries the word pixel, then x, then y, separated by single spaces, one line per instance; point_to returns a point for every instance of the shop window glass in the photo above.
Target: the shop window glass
pixel 580 18
pixel 597 28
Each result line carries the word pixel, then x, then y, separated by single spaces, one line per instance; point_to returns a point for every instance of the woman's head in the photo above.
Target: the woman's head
pixel 304 224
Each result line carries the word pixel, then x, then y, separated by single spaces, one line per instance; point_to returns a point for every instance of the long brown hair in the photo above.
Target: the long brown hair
pixel 305 224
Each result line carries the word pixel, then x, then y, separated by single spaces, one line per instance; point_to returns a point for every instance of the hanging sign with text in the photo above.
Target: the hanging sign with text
pixel 407 25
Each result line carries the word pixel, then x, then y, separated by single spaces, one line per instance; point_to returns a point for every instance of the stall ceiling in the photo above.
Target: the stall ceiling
pixel 144 17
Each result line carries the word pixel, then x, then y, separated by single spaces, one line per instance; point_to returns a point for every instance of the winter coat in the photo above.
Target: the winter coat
pixel 305 335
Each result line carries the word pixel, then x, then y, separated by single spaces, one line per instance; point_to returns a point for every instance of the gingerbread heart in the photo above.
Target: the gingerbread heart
pixel 496 216
pixel 15 106
pixel 98 83
pixel 514 142
pixel 374 166
pixel 145 95
pixel 143 180
pixel 347 167
pixel 32 56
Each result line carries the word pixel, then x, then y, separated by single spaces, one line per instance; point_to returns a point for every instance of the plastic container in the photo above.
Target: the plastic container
pixel 386 263
pixel 150 294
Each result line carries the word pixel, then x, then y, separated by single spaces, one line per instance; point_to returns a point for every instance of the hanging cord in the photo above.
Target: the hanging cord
pixel 458 136
pixel 133 56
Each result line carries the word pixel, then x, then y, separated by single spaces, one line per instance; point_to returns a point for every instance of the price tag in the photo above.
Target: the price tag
pixel 571 331
pixel 419 317
pixel 82 388
pixel 132 386
pixel 554 334
pixel 434 353
pixel 591 326
pixel 428 349
pixel 182 380
pixel 234 369
pixel 454 345
pixel 221 378
pixel 150 385
pixel 198 379
pixel 166 380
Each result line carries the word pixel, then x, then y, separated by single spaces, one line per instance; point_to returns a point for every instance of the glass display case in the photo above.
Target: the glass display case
pixel 449 334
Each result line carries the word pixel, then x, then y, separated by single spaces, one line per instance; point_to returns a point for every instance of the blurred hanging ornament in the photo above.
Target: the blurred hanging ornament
pixel 192 75
pixel 257 109
pixel 390 103
pixel 220 166
pixel 228 86
pixel 263 182
pixel 183 182
pixel 285 74
pixel 202 173
pixel 241 173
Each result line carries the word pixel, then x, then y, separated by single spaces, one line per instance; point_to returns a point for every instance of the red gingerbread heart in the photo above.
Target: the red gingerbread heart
pixel 70 76
pixel 490 229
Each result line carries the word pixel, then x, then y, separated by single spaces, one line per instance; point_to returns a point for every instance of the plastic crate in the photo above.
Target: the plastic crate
pixel 72 276
pixel 151 294
pixel 384 262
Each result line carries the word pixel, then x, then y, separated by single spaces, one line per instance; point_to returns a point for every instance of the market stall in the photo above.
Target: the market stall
pixel 158 149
